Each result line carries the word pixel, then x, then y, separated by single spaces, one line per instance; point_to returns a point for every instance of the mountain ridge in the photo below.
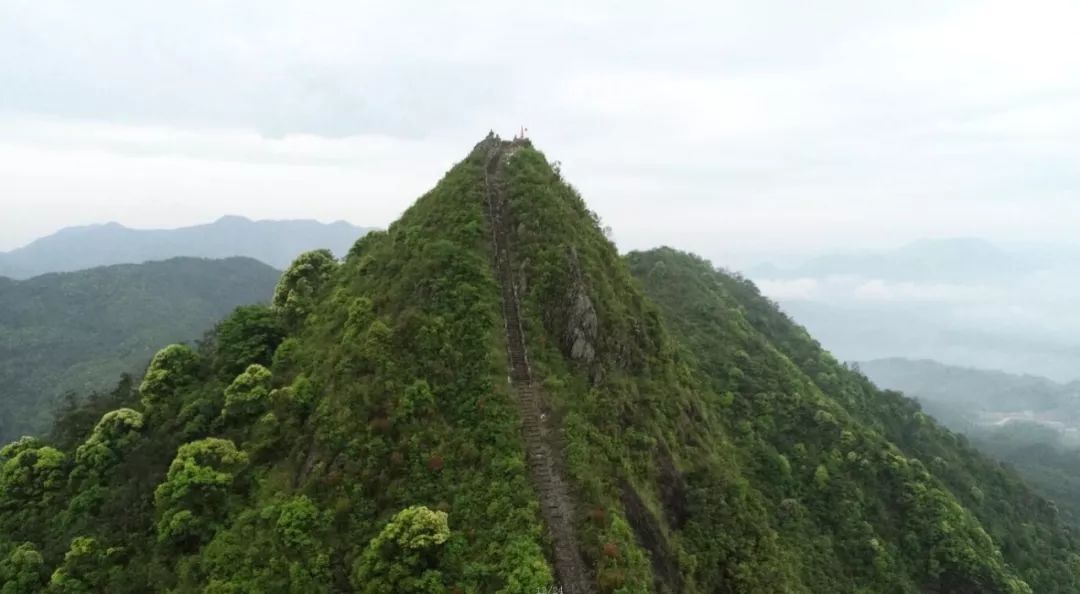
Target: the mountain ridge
pixel 78 331
pixel 274 242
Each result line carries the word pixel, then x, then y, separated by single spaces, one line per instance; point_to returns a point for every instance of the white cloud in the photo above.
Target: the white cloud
pixel 736 129
pixel 791 289
pixel 849 289
pixel 908 292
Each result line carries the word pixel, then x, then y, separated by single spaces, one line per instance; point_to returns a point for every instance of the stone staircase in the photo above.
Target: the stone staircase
pixel 556 503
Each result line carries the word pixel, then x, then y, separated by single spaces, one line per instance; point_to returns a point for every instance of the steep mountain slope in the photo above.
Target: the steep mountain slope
pixel 482 398
pixel 880 433
pixel 79 331
pixel 274 242
pixel 1030 422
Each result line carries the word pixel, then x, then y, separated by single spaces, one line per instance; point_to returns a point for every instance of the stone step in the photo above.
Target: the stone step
pixel 552 492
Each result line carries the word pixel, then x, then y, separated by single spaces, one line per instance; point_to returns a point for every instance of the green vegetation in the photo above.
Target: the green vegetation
pixel 997 412
pixel 77 332
pixel 359 435
pixel 936 508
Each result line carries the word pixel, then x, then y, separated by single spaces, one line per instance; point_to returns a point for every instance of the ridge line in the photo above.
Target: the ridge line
pixel 556 503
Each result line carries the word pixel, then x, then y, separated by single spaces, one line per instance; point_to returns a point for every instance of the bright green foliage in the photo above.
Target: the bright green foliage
pixel 417 401
pixel 116 432
pixel 279 548
pixel 192 501
pixel 22 570
pixel 404 557
pixel 30 473
pixel 296 292
pixel 248 395
pixel 85 570
pixel 171 368
pixel 361 312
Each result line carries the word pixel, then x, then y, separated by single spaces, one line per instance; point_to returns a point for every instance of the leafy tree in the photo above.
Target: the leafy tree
pixel 248 395
pixel 279 548
pixel 31 474
pixel 249 336
pixel 295 294
pixel 22 571
pixel 85 569
pixel 78 416
pixel 404 557
pixel 116 432
pixel 171 368
pixel 192 501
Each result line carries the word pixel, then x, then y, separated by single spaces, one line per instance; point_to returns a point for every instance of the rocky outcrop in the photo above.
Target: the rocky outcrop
pixel 582 323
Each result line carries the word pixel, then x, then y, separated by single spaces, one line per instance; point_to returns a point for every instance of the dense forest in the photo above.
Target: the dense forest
pixel 1030 422
pixel 359 434
pixel 72 333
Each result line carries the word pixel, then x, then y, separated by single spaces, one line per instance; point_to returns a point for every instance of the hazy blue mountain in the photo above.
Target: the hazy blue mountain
pixel 274 242
pixel 963 302
pixel 80 330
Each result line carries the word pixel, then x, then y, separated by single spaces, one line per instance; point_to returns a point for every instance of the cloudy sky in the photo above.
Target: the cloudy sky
pixel 740 130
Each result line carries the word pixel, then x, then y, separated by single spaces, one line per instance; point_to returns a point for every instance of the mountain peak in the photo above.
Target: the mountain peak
pixel 232 219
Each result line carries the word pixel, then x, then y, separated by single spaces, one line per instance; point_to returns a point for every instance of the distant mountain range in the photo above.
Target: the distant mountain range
pixel 80 330
pixel 962 301
pixel 273 242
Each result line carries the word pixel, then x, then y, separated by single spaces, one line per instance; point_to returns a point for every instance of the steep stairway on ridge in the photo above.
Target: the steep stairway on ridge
pixel 556 502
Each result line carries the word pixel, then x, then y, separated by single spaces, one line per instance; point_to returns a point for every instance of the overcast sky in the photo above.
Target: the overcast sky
pixel 740 130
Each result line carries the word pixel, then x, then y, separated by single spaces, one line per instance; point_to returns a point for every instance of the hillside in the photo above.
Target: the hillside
pixel 979 396
pixel 79 331
pixel 487 398
pixel 273 242
pixel 1030 422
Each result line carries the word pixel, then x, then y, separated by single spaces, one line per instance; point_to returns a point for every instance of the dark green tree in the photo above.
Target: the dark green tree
pixel 22 571
pixel 249 336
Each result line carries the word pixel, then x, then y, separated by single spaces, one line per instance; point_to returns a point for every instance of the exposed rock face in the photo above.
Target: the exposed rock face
pixel 582 328
pixel 581 320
